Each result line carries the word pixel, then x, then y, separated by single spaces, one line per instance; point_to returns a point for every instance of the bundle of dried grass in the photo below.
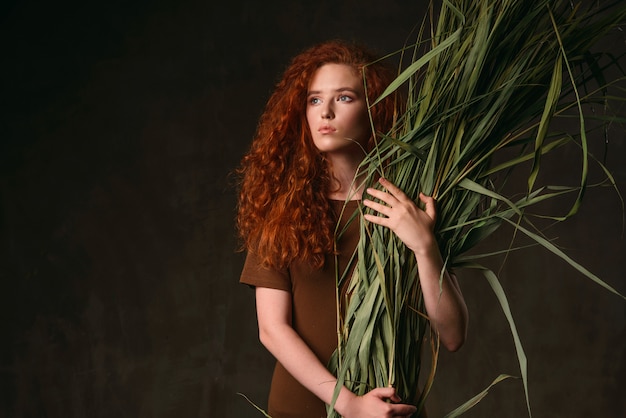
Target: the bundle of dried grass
pixel 493 75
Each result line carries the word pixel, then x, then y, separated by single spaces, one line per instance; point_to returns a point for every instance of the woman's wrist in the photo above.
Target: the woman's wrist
pixel 344 400
pixel 428 251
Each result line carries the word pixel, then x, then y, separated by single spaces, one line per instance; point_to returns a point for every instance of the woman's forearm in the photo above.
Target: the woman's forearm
pixel 298 359
pixel 443 300
pixel 286 345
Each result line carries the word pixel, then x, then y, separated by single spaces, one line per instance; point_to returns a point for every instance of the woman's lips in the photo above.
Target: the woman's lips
pixel 326 130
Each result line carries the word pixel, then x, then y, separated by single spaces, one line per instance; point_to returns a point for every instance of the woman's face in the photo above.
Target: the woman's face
pixel 336 110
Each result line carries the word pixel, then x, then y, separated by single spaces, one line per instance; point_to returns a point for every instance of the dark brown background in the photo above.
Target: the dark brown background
pixel 121 122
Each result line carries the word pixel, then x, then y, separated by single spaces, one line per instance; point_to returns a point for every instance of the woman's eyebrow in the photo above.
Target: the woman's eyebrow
pixel 339 90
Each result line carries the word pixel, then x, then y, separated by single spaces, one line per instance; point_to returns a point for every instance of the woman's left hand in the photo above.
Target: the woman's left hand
pixel 414 226
pixel 443 300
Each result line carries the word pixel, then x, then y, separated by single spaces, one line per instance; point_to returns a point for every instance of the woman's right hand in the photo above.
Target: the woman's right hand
pixel 377 403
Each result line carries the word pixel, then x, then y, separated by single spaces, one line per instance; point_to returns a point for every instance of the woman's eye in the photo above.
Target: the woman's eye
pixel 344 98
pixel 314 100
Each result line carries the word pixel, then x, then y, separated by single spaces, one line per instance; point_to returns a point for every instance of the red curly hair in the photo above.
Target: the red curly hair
pixel 283 210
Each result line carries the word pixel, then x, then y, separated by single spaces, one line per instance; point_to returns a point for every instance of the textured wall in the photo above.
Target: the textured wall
pixel 120 125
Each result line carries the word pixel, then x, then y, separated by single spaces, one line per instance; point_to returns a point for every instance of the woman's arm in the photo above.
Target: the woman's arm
pixel 278 336
pixel 444 302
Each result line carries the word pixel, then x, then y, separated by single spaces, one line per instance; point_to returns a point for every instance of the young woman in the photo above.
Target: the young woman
pixel 295 180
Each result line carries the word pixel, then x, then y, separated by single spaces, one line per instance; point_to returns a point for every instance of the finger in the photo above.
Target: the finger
pixel 395 398
pixel 378 207
pixel 378 220
pixel 388 198
pixel 430 206
pixel 404 410
pixel 384 393
pixel 393 189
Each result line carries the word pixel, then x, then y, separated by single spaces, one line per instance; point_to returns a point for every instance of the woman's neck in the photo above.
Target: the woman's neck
pixel 345 185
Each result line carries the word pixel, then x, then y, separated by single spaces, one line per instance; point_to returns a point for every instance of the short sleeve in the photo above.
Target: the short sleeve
pixel 254 274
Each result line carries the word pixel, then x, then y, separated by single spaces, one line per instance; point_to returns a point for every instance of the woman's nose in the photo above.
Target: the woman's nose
pixel 327 113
